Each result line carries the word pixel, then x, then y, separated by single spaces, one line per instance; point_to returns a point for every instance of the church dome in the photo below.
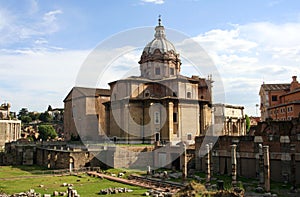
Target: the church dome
pixel 159 42
pixel 159 58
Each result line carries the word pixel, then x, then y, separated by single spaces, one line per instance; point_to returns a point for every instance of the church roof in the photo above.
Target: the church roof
pixel 86 92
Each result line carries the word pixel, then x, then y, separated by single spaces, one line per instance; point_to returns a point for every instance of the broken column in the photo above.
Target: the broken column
pixel 266 168
pixel 293 168
pixel 233 165
pixel 207 165
pixel 211 160
pixel 148 170
pixel 184 163
pixel 261 165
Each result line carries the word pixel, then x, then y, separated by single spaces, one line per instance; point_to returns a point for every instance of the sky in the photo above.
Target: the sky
pixel 44 44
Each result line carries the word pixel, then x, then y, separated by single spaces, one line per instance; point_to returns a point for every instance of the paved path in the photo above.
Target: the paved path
pixel 143 182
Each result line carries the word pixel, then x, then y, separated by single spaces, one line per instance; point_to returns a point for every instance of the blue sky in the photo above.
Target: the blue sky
pixel 44 43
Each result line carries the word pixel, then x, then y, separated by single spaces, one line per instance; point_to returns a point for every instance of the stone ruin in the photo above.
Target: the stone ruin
pixel 116 190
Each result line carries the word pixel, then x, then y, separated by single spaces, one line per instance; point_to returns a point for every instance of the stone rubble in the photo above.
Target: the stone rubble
pixel 117 190
pixel 156 193
pixel 31 193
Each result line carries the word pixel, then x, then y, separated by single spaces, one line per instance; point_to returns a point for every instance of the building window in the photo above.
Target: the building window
pixel 147 93
pixel 189 95
pixel 157 71
pixel 175 117
pixel 189 136
pixel 274 98
pixel 289 109
pixel 171 71
pixel 157 137
pixel 156 117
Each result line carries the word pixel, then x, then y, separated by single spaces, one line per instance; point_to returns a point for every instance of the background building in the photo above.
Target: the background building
pixel 231 118
pixel 84 113
pixel 10 130
pixel 280 101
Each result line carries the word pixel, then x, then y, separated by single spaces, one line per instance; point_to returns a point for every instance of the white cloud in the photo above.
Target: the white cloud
pixel 35 79
pixel 16 28
pixel 246 55
pixel 154 1
pixel 50 17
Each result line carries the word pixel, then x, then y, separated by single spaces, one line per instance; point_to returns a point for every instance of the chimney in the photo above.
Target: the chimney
pixel 294 84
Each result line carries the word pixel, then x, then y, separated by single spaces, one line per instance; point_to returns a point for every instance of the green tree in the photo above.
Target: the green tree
pixel 26 119
pixel 47 132
pixel 22 112
pixel 247 123
pixel 49 108
pixel 34 115
pixel 45 117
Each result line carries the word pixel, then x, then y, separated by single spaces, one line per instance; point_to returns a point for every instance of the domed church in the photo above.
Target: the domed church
pixel 160 105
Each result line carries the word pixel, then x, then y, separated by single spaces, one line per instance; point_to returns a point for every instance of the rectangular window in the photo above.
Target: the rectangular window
pixel 175 117
pixel 157 71
pixel 156 118
pixel 171 71
pixel 274 98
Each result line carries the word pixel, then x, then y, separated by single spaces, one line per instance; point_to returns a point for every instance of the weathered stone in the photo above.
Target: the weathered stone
pixel 55 193
pixel 259 190
pixel 268 194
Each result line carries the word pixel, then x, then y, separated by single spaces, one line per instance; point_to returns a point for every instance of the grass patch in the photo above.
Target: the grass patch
pixel 21 180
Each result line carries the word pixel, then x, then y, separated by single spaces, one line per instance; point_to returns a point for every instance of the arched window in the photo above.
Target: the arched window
pixel 172 71
pixel 189 95
pixel 156 117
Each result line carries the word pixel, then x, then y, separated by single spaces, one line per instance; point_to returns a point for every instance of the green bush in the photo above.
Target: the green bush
pixel 47 132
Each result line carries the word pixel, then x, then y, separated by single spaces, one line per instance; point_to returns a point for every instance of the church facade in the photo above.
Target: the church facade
pixel 159 105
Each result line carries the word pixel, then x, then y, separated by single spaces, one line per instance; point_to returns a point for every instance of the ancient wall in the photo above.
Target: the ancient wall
pixel 281 137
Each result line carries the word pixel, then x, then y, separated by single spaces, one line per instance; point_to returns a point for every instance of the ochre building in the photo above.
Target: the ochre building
pixel 159 105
